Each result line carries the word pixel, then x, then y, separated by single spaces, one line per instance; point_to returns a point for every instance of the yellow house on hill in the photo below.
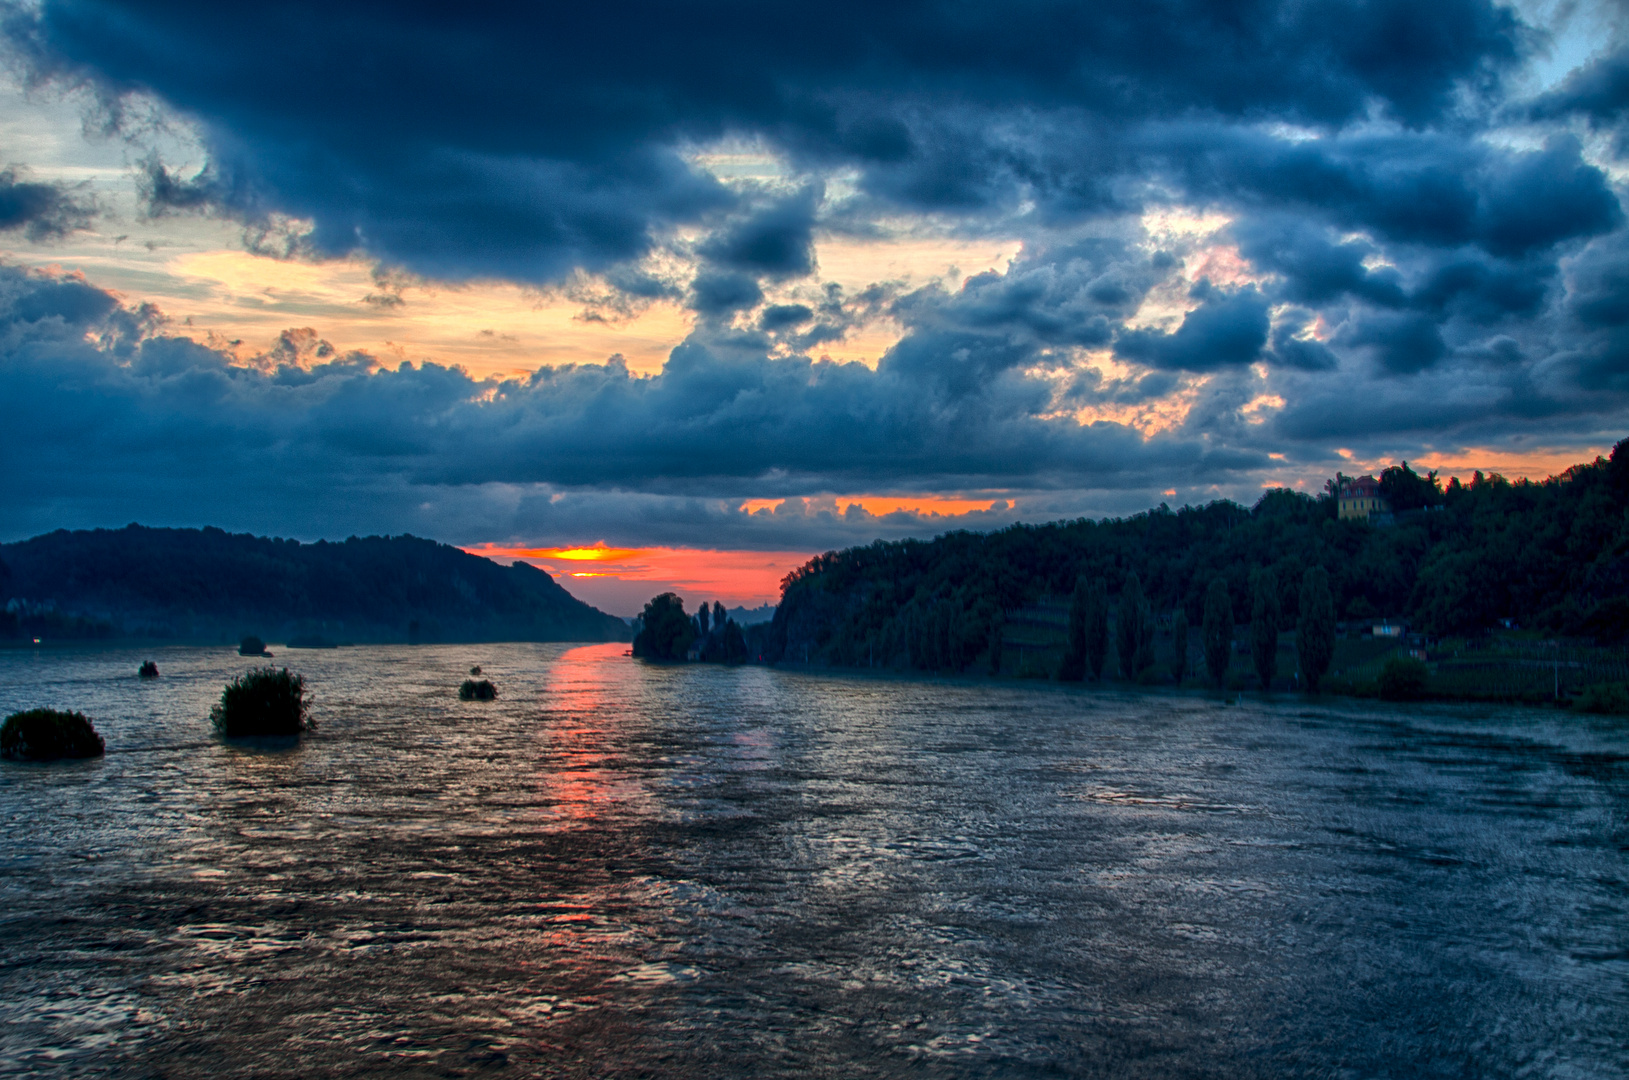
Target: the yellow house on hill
pixel 1361 497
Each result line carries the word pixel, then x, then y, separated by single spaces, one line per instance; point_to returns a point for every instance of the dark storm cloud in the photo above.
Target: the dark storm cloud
pixel 41 211
pixel 777 240
pixel 523 140
pixel 1401 343
pixel 161 415
pixel 784 316
pixel 1599 91
pixel 1413 277
pixel 1227 329
pixel 1424 188
pixel 1600 283
pixel 720 293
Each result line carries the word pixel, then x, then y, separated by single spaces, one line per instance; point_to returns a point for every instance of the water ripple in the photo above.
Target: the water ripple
pixel 619 870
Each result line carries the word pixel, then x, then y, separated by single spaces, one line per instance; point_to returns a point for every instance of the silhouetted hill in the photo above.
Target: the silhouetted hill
pixel 206 584
pixel 1452 561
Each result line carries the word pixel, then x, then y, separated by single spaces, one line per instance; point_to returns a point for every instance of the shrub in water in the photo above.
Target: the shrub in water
pixel 1403 678
pixel 476 670
pixel 43 734
pixel 148 670
pixel 266 701
pixel 477 691
pixel 1610 697
pixel 252 646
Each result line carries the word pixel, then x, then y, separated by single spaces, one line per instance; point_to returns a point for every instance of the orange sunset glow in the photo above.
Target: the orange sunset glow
pixel 878 505
pixel 620 580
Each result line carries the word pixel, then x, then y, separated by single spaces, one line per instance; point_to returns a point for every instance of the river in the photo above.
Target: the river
pixel 619 870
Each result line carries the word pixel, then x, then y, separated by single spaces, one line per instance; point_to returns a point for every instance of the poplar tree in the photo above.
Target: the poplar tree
pixel 1145 642
pixel 1264 614
pixel 1097 626
pixel 1073 668
pixel 1218 630
pixel 1129 636
pixel 1315 633
pixel 1179 643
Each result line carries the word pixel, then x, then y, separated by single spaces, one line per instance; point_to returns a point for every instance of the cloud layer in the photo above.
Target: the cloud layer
pixel 1252 236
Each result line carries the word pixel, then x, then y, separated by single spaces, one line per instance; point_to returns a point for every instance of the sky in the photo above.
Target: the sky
pixel 674 296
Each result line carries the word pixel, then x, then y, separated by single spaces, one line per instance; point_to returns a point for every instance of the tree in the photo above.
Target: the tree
pixel 1315 633
pixel 1406 489
pixel 1097 627
pixel 1179 644
pixel 1264 626
pixel 735 642
pixel 1218 630
pixel 667 632
pixel 1073 668
pixel 1145 637
pixel 703 618
pixel 1132 642
pixel 1403 678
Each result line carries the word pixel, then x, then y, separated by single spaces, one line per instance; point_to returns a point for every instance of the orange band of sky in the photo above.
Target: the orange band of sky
pixel 621 580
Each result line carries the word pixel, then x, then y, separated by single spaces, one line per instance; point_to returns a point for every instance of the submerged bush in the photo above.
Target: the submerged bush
pixel 477 691
pixel 1403 678
pixel 43 734
pixel 476 670
pixel 265 701
pixel 1610 697
pixel 148 670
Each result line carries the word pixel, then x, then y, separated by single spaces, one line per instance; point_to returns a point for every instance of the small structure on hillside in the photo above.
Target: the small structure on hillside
pixel 1361 500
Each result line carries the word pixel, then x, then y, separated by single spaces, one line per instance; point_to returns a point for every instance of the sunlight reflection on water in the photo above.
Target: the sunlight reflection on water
pixel 617 869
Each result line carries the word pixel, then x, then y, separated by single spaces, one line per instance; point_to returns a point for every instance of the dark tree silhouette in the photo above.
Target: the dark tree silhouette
pixel 1097 627
pixel 1134 630
pixel 1073 667
pixel 666 632
pixel 735 642
pixel 1179 645
pixel 44 734
pixel 1218 630
pixel 1453 560
pixel 1406 489
pixel 1264 616
pixel 266 701
pixel 1315 632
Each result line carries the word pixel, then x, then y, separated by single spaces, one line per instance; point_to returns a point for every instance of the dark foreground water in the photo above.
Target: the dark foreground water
pixel 617 870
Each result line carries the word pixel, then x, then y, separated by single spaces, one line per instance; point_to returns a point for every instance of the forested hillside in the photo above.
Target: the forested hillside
pixel 206 584
pixel 1457 559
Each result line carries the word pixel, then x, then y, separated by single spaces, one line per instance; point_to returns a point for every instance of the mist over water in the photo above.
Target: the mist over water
pixel 619 870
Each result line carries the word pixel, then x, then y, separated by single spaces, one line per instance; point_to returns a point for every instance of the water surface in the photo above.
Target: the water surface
pixel 622 870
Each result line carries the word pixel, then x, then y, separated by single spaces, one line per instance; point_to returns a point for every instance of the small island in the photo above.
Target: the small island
pixel 471 690
pixel 49 734
pixel 266 701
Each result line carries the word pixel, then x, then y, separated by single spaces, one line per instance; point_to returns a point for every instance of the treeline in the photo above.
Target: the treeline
pixel 210 585
pixel 664 632
pixel 1454 559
